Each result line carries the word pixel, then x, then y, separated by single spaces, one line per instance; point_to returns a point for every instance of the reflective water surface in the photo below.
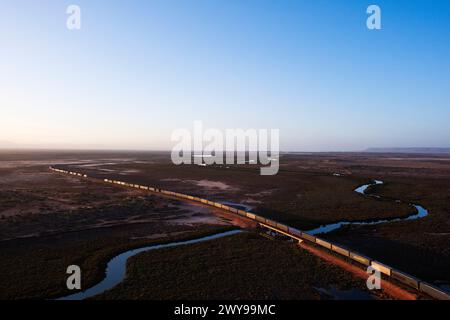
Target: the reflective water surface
pixel 421 213
pixel 116 268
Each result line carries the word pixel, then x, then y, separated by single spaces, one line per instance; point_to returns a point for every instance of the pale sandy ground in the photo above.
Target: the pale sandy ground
pixel 205 184
pixel 45 192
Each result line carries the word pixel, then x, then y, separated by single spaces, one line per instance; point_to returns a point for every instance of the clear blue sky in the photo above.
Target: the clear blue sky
pixel 137 70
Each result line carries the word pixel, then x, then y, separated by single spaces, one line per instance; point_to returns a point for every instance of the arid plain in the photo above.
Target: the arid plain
pixel 49 221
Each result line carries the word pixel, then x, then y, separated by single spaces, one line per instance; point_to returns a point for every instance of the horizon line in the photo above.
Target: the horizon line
pixel 367 150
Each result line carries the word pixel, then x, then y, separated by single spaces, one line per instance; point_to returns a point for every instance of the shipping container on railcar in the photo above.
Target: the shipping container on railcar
pixel 282 227
pixel 271 223
pixel 308 237
pixel 433 291
pixel 260 219
pixel 382 267
pixel 360 258
pixel 323 243
pixel 251 216
pixel 341 250
pixel 405 278
pixel 295 232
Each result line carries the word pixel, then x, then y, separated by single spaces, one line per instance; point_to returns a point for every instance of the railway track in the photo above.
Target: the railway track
pixel 405 279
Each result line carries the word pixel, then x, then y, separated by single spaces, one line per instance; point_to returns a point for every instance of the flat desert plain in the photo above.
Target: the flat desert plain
pixel 49 221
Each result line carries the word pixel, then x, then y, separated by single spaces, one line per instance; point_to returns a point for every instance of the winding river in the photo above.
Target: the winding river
pixel 421 213
pixel 116 268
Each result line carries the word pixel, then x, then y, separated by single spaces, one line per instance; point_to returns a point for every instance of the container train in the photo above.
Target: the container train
pixel 296 234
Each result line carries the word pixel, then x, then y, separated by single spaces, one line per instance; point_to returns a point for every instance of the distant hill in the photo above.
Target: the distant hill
pixel 408 150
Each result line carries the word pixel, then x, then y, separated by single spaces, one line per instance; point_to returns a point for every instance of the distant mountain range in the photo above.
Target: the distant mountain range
pixel 408 150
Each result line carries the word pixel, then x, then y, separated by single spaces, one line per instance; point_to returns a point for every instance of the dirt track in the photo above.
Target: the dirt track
pixel 388 287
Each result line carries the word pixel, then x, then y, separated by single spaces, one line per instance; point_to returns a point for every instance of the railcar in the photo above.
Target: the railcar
pixel 323 243
pixel 382 268
pixel 283 227
pixel 295 232
pixel 271 223
pixel 433 291
pixel 406 279
pixel 260 219
pixel 251 216
pixel 308 237
pixel 360 258
pixel 342 251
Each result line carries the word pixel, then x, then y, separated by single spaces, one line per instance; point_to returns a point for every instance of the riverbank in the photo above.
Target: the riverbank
pixel 245 266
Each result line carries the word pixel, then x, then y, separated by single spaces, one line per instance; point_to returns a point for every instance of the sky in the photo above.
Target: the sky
pixel 138 70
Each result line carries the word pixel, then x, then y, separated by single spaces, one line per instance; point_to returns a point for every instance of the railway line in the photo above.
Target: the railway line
pixel 361 260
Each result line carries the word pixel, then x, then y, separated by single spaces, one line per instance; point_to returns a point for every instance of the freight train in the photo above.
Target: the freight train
pixel 295 234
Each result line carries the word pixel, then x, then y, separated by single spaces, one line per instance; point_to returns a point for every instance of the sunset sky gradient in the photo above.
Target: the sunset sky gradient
pixel 137 70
